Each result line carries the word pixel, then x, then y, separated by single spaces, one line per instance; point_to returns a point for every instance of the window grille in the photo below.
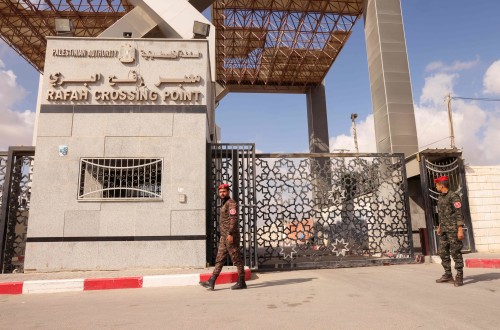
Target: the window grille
pixel 103 179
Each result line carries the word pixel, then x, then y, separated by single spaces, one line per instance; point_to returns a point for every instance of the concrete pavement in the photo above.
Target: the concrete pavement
pixel 386 297
pixel 143 278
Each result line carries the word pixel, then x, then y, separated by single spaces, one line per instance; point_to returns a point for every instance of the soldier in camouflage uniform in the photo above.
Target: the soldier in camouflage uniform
pixel 229 241
pixel 450 231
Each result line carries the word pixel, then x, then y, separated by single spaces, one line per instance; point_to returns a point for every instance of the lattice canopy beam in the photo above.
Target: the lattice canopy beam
pixel 280 44
pixel 261 44
pixel 24 24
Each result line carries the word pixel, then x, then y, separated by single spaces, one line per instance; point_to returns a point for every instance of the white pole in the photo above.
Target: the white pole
pixel 353 118
pixel 450 121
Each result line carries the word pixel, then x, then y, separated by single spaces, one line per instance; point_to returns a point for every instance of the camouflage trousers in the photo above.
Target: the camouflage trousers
pixel 449 244
pixel 233 250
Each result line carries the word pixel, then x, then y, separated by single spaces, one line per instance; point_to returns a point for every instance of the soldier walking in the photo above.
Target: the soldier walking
pixel 229 241
pixel 450 231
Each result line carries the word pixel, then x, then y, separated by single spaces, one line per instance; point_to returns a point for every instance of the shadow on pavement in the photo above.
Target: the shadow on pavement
pixel 281 282
pixel 481 278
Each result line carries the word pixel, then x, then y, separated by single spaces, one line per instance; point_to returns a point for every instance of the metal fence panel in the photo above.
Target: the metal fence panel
pixel 233 164
pixel 321 210
pixel 452 166
pixel 16 195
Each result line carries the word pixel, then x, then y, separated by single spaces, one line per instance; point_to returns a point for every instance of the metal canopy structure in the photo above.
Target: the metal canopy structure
pixel 266 45
pixel 280 45
pixel 24 24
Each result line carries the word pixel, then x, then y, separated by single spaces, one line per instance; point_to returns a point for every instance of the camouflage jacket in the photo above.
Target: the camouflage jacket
pixel 450 212
pixel 228 221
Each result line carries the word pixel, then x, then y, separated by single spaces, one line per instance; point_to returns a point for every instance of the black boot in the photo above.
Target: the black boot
pixel 210 284
pixel 240 284
pixel 459 279
pixel 446 278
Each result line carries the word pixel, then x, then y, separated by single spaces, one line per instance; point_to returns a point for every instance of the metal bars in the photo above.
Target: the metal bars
pixel 16 168
pixel 106 179
pixel 432 166
pixel 3 174
pixel 233 164
pixel 317 210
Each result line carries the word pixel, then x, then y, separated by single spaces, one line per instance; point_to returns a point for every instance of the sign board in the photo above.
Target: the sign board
pixel 125 72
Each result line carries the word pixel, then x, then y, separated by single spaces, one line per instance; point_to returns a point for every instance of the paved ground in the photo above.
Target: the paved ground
pixel 391 297
pixel 164 271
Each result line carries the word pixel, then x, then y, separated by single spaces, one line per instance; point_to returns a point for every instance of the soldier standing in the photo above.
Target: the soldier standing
pixel 229 241
pixel 450 231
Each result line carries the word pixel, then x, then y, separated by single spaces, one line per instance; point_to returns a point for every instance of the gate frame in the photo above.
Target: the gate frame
pixel 426 185
pixel 211 192
pixel 232 152
pixel 4 212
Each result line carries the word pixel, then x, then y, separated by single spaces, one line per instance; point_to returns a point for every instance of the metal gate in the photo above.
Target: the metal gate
pixel 16 168
pixel 315 210
pixel 436 164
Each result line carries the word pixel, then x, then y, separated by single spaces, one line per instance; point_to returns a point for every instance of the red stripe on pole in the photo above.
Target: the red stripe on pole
pixel 112 283
pixel 11 288
pixel 482 263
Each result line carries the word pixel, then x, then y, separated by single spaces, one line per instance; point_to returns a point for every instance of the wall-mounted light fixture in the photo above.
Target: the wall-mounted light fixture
pixel 63 26
pixel 201 30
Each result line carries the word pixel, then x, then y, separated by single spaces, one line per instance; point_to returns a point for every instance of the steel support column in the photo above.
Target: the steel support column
pixel 392 99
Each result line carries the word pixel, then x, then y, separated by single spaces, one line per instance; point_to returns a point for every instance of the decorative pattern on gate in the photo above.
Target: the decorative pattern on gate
pixel 328 210
pixel 16 204
pixel 3 174
pixel 450 165
pixel 331 210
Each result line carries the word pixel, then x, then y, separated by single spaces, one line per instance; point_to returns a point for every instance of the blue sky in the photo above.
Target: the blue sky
pixel 453 46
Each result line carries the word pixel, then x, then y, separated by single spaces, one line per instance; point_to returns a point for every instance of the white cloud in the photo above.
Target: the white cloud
pixel 491 79
pixel 16 128
pixel 456 66
pixel 475 128
pixel 477 131
pixel 436 88
pixel 434 66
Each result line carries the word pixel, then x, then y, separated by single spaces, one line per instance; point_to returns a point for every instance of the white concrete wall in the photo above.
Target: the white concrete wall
pixel 67 234
pixel 483 183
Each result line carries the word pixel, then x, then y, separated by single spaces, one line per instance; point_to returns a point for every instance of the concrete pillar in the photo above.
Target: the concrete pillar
pixel 317 119
pixel 318 141
pixel 392 100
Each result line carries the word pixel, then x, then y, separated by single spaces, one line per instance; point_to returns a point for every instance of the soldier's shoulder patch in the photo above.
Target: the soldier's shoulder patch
pixel 232 211
pixel 457 205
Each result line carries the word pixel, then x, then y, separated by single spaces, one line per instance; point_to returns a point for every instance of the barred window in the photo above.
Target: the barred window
pixel 104 179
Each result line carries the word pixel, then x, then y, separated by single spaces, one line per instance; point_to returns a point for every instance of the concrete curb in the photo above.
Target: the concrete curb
pixel 91 284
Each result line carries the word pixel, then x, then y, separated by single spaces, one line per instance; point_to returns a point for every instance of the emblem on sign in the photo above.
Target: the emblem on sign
pixel 127 53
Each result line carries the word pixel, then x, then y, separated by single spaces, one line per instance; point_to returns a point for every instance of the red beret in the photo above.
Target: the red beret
pixel 223 186
pixel 441 179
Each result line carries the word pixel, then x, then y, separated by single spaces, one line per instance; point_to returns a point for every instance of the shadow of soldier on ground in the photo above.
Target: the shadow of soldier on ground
pixel 281 282
pixel 471 279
